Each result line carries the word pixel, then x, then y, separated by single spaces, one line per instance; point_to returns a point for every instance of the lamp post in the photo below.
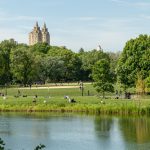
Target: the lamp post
pixel 81 87
pixel 5 88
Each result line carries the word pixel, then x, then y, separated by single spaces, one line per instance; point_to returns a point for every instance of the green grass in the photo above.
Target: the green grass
pixel 56 102
pixel 50 92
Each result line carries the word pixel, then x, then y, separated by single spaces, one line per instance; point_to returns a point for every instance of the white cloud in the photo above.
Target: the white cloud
pixel 139 4
pixel 18 31
pixel 4 16
pixel 147 17
pixel 18 18
pixel 118 1
pixel 83 18
pixel 25 27
pixel 18 35
pixel 143 4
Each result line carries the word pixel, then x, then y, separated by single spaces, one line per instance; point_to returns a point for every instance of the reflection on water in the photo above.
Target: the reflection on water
pixel 135 129
pixel 68 131
pixel 103 124
pixel 107 133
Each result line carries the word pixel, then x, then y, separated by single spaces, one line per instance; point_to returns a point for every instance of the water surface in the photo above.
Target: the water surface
pixel 74 132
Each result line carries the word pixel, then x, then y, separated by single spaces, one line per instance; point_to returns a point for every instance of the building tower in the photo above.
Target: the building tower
pixel 99 48
pixel 45 35
pixel 38 36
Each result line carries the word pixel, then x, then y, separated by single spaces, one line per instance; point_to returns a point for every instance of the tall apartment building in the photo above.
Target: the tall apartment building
pixel 39 35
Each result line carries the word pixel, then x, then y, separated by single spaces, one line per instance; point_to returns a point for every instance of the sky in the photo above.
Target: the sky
pixel 77 23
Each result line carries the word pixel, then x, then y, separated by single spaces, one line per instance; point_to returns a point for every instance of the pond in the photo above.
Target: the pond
pixel 74 132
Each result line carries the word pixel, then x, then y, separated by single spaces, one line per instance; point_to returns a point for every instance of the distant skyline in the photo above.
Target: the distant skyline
pixel 79 23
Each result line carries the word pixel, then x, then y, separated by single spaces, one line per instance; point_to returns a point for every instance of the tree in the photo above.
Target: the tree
pixel 81 51
pixel 73 66
pixel 41 146
pixel 52 68
pixel 88 60
pixel 23 65
pixel 140 85
pixel 147 84
pixel 71 60
pixel 102 76
pixel 40 48
pixel 5 49
pixel 2 144
pixel 134 61
pixel 114 57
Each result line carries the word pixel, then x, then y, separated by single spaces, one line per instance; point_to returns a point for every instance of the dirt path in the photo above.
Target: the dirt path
pixel 51 87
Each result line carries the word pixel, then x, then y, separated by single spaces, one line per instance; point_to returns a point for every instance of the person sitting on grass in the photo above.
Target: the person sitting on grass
pixel 66 97
pixel 73 101
pixel 34 99
pixel 69 99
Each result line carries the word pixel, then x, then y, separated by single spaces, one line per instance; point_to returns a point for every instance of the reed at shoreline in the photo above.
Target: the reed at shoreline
pixel 87 104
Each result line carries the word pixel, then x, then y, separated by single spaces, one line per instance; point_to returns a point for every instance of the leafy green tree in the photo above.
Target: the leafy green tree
pixel 134 61
pixel 73 66
pixel 88 60
pixel 81 51
pixel 5 49
pixel 41 146
pixel 23 65
pixel 147 84
pixel 2 144
pixel 52 68
pixel 140 85
pixel 40 48
pixel 71 61
pixel 102 77
pixel 114 57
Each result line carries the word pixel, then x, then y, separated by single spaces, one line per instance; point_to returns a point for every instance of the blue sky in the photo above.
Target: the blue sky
pixel 77 23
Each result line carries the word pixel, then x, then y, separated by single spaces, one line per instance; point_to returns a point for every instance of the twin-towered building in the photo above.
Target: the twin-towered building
pixel 39 35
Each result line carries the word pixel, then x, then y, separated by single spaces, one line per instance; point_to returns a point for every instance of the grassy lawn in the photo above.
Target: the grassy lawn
pixel 55 101
pixel 51 92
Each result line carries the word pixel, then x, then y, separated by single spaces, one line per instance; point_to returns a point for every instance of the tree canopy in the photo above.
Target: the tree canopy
pixel 5 49
pixel 134 61
pixel 102 76
pixel 20 63
pixel 23 65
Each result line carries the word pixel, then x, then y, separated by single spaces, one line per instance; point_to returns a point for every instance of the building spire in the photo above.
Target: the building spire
pixel 36 24
pixel 99 48
pixel 44 25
